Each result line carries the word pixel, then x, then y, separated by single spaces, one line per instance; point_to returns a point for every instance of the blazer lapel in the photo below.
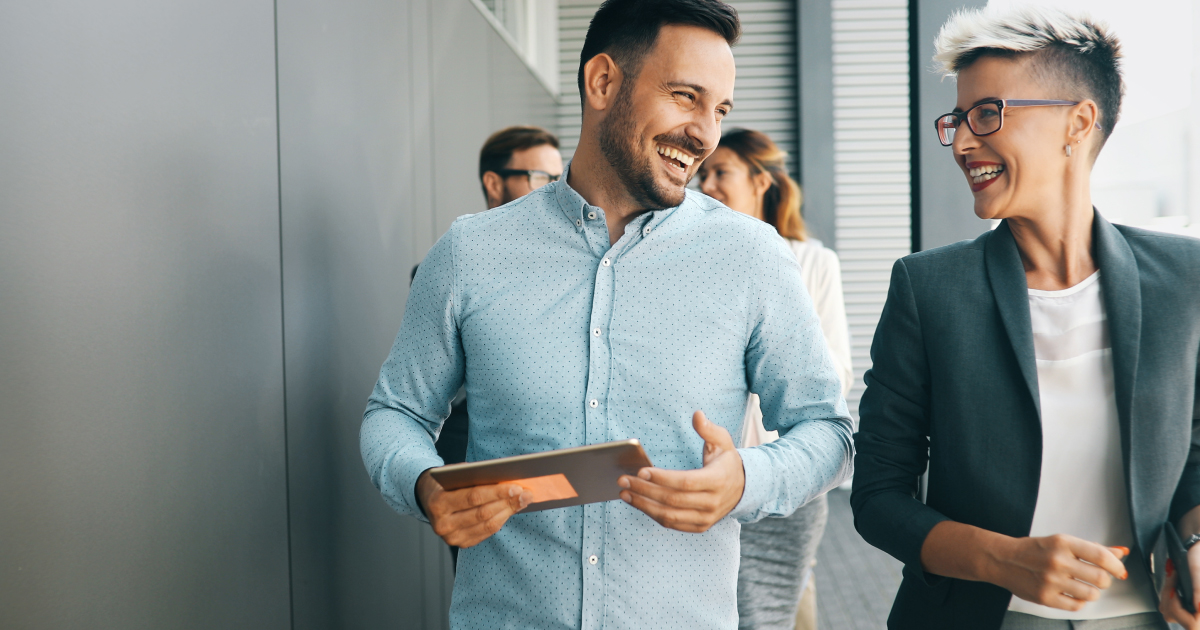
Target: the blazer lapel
pixel 1007 277
pixel 1123 304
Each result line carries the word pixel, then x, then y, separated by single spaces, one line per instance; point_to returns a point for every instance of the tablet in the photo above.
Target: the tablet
pixel 559 478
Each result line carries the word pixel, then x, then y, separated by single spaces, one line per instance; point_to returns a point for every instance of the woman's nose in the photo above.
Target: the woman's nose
pixel 964 140
pixel 707 185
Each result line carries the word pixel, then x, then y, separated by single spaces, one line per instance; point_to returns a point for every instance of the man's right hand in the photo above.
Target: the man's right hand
pixel 467 517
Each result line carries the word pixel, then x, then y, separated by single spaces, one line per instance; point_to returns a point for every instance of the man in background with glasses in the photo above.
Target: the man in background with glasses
pixel 517 161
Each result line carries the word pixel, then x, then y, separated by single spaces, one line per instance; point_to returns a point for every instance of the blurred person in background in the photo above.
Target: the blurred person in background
pixel 516 161
pixel 513 162
pixel 776 588
pixel 1044 374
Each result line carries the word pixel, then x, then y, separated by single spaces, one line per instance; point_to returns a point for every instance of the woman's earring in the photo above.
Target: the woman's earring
pixel 1068 150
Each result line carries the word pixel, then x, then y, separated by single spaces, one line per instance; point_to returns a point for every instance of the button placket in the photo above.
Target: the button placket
pixel 596 431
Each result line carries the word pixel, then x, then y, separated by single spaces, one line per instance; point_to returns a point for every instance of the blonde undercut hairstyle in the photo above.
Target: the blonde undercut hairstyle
pixel 1073 52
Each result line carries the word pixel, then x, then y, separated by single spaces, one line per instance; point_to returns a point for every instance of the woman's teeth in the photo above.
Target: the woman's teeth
pixel 675 154
pixel 982 174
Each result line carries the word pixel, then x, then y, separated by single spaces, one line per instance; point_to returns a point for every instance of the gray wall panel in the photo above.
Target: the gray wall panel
pixel 479 85
pixel 946 205
pixel 141 424
pixel 383 108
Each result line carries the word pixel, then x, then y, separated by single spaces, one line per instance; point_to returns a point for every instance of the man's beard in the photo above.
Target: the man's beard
pixel 634 169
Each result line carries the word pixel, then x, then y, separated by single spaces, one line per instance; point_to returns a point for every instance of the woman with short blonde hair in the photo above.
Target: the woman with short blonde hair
pixel 1044 374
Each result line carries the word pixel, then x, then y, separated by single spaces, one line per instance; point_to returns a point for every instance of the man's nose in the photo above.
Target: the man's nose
pixel 705 131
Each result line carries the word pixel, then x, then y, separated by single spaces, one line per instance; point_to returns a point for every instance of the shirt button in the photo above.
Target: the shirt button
pixel 578 223
pixel 593 559
pixel 592 215
pixel 606 262
pixel 596 332
pixel 646 231
pixel 593 403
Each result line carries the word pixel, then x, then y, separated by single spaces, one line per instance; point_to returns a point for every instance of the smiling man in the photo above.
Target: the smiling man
pixel 615 304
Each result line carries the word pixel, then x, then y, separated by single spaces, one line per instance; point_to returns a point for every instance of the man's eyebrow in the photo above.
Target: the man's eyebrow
pixel 699 89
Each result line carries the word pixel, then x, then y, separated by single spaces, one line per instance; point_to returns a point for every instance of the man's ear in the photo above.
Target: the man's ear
pixel 493 185
pixel 601 80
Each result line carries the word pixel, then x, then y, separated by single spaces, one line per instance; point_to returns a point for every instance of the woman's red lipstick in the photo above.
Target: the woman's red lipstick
pixel 984 184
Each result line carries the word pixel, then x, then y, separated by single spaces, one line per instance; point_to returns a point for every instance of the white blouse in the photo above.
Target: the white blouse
pixel 822 276
pixel 1081 491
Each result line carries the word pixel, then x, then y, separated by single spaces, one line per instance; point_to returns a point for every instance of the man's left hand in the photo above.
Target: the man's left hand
pixel 691 500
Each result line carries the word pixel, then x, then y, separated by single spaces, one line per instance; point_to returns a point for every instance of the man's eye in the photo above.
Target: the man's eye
pixel 686 95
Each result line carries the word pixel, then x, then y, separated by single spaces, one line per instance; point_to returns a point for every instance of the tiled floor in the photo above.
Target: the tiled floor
pixel 855 581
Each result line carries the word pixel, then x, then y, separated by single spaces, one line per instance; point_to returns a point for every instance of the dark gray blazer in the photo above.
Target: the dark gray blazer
pixel 954 386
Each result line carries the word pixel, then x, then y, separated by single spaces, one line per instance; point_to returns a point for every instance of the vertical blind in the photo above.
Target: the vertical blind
pixel 573 19
pixel 765 93
pixel 871 160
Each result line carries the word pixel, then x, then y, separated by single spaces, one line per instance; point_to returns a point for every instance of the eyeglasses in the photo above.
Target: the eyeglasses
pixel 537 179
pixel 985 118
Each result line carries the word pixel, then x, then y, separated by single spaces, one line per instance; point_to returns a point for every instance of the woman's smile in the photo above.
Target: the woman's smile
pixel 983 174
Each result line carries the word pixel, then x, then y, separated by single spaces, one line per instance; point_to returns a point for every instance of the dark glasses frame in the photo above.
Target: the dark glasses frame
pixel 527 174
pixel 943 122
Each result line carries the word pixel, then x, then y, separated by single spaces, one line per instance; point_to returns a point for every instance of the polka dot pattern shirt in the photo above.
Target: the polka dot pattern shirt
pixel 564 340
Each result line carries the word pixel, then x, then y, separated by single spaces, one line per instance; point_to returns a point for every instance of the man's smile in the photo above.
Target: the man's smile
pixel 677 161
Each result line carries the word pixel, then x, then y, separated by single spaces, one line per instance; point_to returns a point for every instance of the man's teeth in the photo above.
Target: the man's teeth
pixel 676 155
pixel 982 174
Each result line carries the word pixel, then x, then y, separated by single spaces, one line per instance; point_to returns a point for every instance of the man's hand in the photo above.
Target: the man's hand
pixel 691 500
pixel 1169 603
pixel 467 517
pixel 1057 571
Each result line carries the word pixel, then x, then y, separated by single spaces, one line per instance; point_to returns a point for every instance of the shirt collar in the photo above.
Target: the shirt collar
pixel 576 208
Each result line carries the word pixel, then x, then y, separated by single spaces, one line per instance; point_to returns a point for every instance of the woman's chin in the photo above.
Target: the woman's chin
pixel 987 211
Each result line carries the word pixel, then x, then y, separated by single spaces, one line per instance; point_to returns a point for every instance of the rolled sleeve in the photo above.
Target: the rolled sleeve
pixel 893 436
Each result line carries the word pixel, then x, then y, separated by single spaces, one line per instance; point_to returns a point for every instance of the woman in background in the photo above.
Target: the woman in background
pixel 775 585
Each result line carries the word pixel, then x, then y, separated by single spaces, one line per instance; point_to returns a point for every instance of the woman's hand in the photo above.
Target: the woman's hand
pixel 1168 601
pixel 1057 571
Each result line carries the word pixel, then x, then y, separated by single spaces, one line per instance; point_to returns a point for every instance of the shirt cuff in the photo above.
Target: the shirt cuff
pixel 757 467
pixel 400 475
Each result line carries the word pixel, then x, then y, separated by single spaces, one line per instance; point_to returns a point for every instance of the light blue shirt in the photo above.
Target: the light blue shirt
pixel 563 340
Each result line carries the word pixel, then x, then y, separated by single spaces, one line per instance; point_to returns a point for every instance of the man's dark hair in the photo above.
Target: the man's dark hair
pixel 500 146
pixel 627 29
